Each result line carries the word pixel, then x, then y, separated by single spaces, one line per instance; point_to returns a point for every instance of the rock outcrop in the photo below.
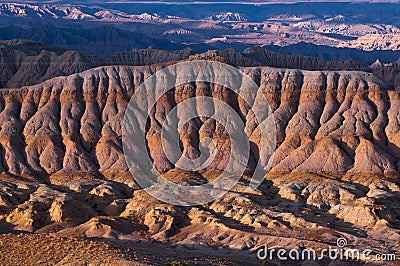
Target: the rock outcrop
pixel 291 211
pixel 389 73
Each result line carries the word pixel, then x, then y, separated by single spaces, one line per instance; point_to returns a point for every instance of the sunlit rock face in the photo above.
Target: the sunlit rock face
pixel 326 122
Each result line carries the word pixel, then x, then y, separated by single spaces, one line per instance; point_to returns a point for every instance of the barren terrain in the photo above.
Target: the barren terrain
pixel 64 176
pixel 330 75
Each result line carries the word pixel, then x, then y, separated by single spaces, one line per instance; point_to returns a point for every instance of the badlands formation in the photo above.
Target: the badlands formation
pixel 64 177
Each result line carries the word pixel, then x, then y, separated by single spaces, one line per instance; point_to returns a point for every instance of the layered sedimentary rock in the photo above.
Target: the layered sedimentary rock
pixel 328 122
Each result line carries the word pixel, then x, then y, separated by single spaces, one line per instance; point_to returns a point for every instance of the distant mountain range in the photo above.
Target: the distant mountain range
pixel 103 40
pixel 103 28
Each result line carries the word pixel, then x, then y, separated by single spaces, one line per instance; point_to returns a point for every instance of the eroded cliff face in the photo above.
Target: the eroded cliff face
pixel 337 133
pixel 327 122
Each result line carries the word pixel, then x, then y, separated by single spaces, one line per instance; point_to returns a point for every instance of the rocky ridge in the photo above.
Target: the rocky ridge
pixel 74 122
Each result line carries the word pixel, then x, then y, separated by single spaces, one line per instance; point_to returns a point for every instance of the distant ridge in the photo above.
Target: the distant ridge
pixel 335 54
pixel 24 62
